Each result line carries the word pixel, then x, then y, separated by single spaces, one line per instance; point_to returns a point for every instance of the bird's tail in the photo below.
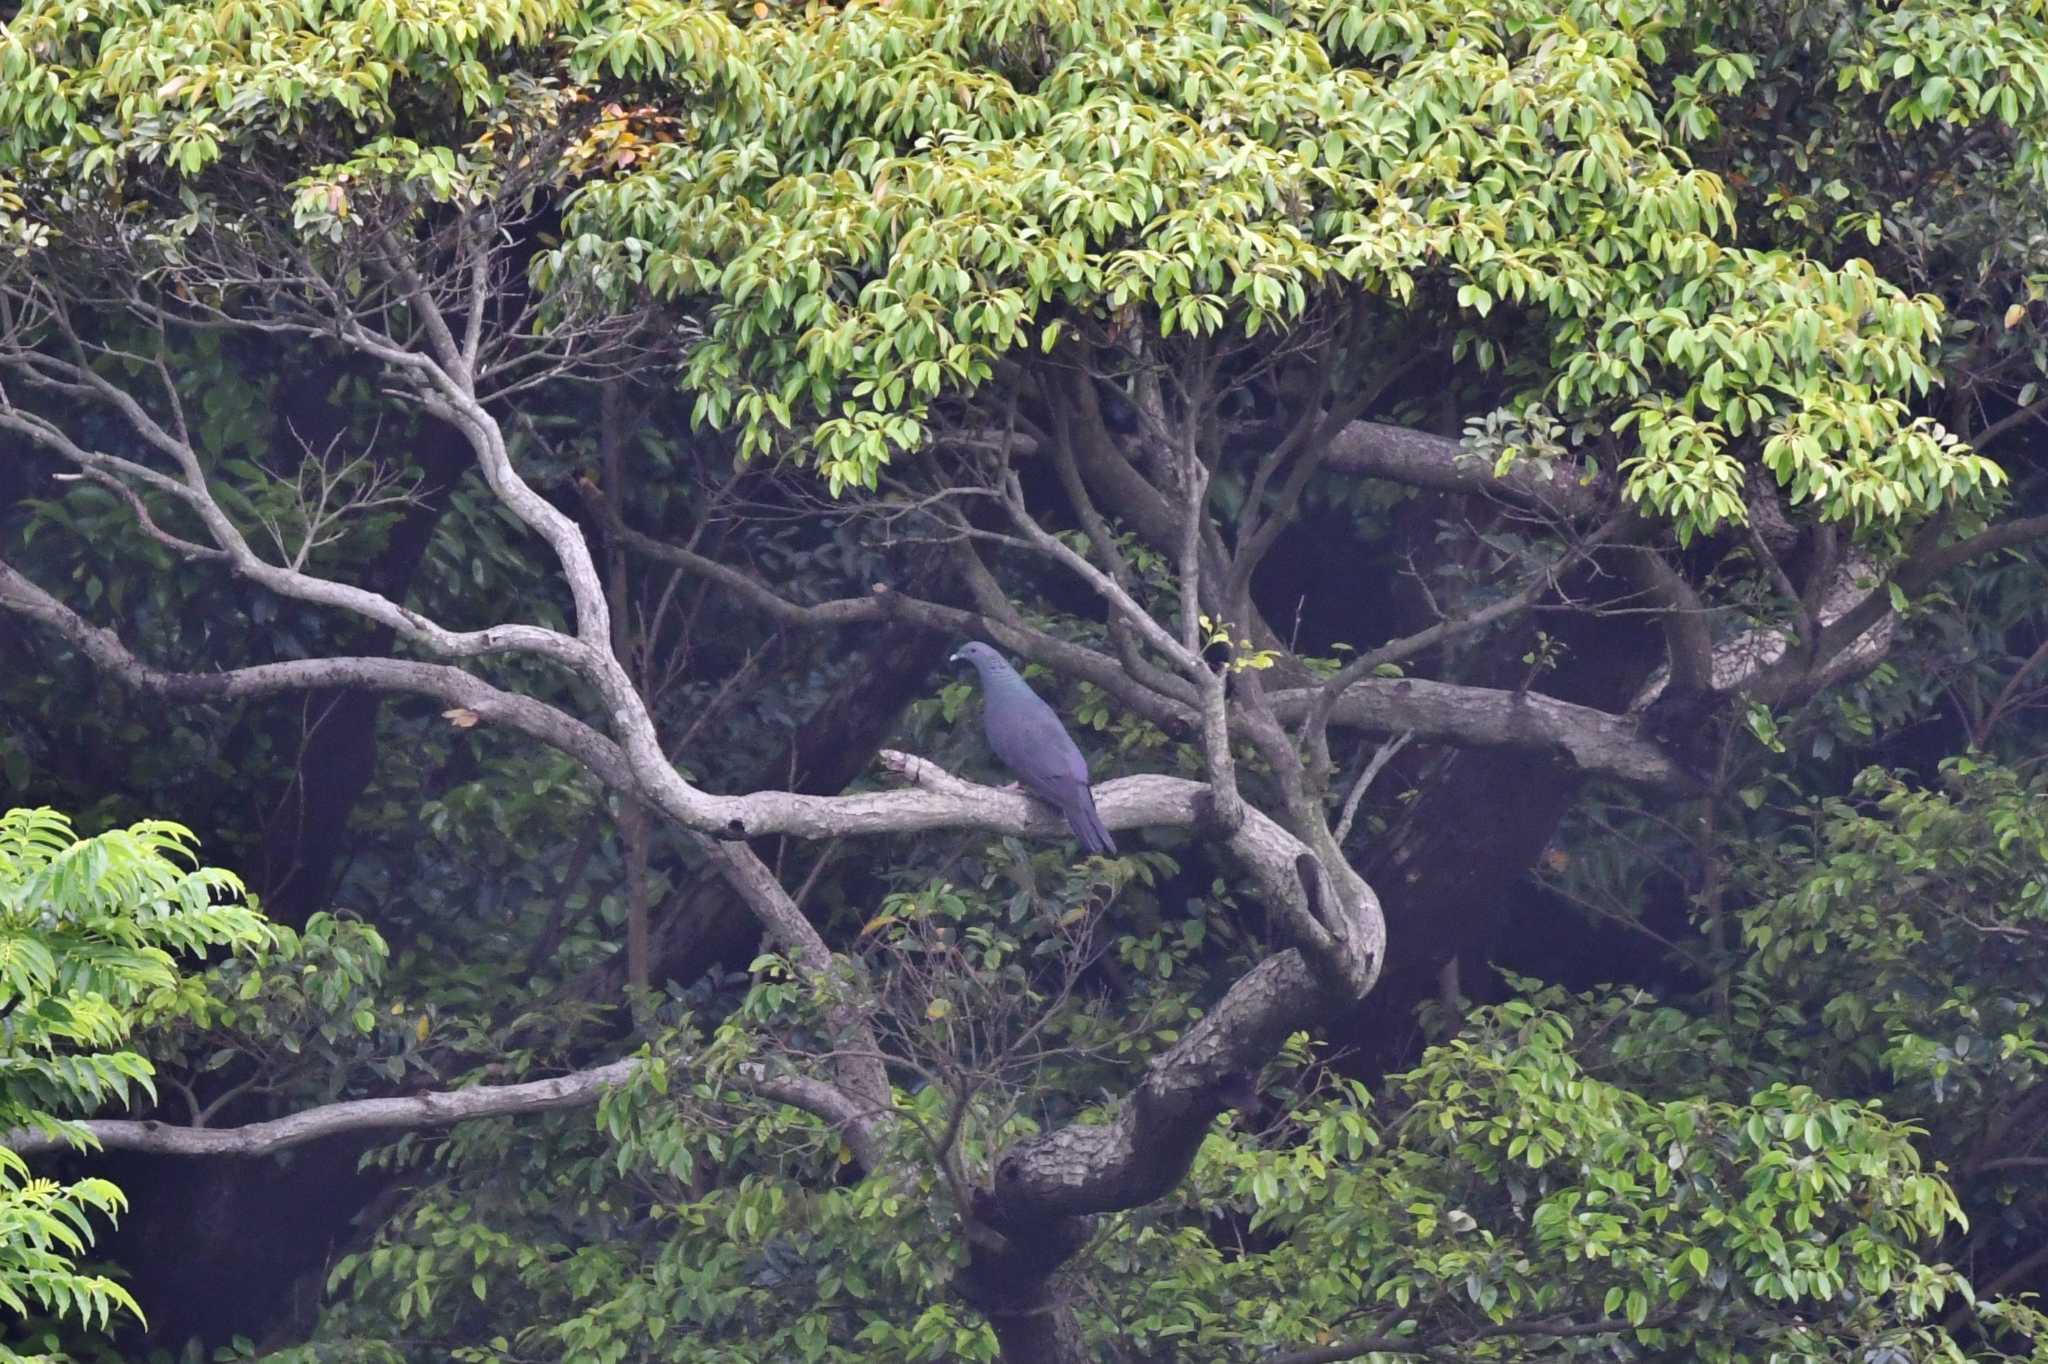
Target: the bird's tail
pixel 1087 825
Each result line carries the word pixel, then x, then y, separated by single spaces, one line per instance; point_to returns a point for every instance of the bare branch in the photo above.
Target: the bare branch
pixel 1484 717
pixel 286 582
pixel 2036 411
pixel 1380 758
pixel 1401 454
pixel 859 1057
pixel 2009 696
pixel 1841 645
pixel 1807 632
pixel 177 544
pixel 577 1089
pixel 996 621
pixel 1688 633
pixel 1128 607
pixel 354 1115
pixel 533 718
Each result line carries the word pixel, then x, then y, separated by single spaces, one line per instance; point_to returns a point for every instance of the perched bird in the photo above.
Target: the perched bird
pixel 1031 741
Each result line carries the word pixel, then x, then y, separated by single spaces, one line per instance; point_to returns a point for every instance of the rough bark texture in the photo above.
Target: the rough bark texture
pixel 1419 459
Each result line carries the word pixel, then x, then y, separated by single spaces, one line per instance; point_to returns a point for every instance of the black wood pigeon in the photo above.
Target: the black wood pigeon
pixel 1031 741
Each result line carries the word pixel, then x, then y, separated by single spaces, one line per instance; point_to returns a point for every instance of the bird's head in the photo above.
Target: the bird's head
pixel 977 653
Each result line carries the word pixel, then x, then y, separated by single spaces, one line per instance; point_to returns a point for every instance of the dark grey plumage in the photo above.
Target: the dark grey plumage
pixel 1027 735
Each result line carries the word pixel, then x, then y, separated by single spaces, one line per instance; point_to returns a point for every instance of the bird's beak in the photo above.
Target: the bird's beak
pixel 955 657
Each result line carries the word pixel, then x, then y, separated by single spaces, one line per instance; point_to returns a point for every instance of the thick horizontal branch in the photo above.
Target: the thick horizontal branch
pixel 1400 454
pixel 1592 740
pixel 1345 955
pixel 938 800
pixel 575 1090
pixel 414 1112
pixel 1397 454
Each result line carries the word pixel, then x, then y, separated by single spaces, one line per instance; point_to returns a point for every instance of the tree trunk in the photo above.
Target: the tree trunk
pixel 333 734
pixel 1012 1278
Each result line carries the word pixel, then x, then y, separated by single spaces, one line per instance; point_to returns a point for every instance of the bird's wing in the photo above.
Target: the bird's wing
pixel 1027 735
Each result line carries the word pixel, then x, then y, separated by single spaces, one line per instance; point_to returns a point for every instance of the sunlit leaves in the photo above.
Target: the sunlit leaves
pixel 1504 1182
pixel 1222 168
pixel 1939 61
pixel 874 206
pixel 87 932
pixel 175 82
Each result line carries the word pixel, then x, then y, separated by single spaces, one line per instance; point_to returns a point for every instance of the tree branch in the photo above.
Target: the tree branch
pixel 1791 678
pixel 1144 1152
pixel 445 682
pixel 1380 758
pixel 1423 1342
pixel 1400 454
pixel 438 1109
pixel 577 1089
pixel 1688 635
pixel 1400 650
pixel 1483 717
pixel 286 582
pixel 1006 628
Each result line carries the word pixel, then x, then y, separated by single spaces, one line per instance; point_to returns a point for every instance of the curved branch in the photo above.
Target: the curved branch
pixel 858 1063
pixel 446 682
pixel 1036 1213
pixel 1105 586
pixel 1346 961
pixel 577 1089
pixel 1843 644
pixel 1143 1153
pixel 438 1109
pixel 1688 630
pixel 287 582
pixel 448 388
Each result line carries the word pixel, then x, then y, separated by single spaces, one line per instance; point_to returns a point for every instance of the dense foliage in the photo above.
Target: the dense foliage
pixel 1530 508
pixel 89 934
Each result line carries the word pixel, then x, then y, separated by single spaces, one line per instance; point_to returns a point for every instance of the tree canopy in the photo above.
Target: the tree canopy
pixel 1480 480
